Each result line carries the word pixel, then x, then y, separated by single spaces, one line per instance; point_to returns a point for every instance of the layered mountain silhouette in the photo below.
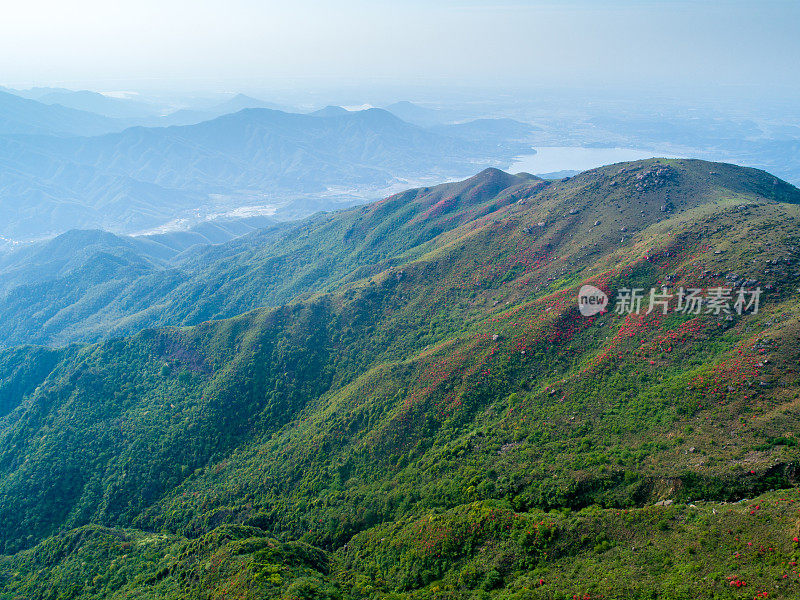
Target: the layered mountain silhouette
pixel 192 116
pixel 94 102
pixel 24 116
pixel 142 178
pixel 420 115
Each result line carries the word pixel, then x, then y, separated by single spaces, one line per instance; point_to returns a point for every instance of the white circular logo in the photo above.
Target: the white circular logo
pixel 591 300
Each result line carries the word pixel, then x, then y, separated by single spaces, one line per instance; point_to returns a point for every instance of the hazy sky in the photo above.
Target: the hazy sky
pixel 130 44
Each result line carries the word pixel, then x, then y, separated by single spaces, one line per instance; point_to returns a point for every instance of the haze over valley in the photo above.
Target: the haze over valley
pixel 130 169
pixel 357 300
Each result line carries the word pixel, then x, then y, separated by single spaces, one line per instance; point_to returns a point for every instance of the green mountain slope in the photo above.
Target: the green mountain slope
pixel 434 406
pixel 48 302
pixel 273 266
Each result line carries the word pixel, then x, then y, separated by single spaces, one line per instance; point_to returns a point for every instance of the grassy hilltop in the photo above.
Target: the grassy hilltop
pixel 421 411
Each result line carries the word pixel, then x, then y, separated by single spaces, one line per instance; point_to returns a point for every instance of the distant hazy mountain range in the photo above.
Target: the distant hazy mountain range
pixel 421 115
pixel 63 168
pixel 94 102
pixel 128 111
pixel 22 115
pixel 193 116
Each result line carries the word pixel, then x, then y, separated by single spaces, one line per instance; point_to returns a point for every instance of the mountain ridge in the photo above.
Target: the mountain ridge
pixel 353 240
pixel 436 416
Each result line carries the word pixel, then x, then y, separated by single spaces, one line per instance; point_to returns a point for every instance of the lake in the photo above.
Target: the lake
pixel 551 159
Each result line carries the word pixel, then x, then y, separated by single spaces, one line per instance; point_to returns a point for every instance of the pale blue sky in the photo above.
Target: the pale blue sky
pixel 116 44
